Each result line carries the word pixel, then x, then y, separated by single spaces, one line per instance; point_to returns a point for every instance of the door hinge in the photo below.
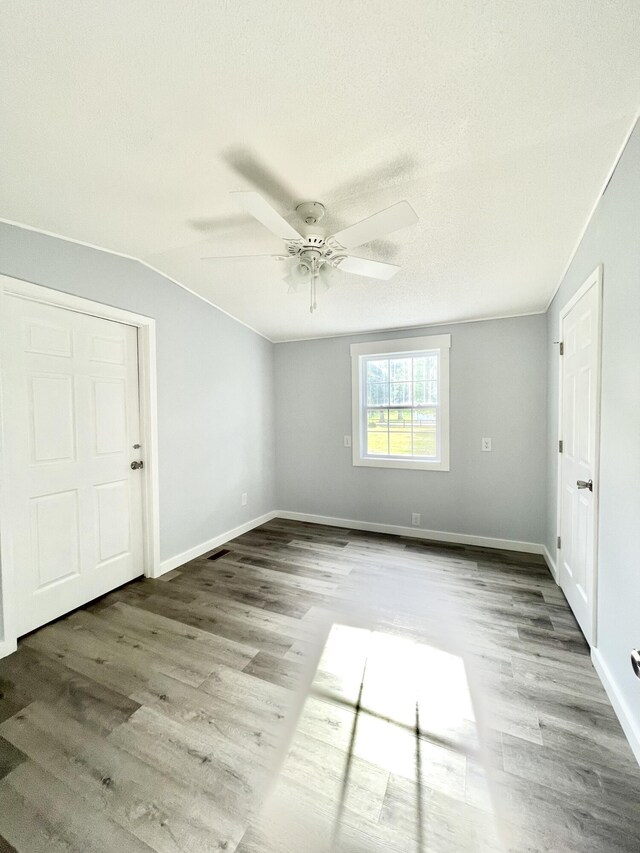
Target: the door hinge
pixel 560 445
pixel 559 542
pixel 561 347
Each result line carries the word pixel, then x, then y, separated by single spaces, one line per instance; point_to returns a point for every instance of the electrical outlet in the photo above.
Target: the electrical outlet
pixel 486 444
pixel 415 519
pixel 244 499
pixel 347 441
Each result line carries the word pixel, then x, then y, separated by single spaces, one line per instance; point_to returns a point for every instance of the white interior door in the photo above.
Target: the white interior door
pixel 71 420
pixel 580 367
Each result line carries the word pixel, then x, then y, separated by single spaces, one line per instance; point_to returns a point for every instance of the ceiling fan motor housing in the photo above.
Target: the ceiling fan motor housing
pixel 313 245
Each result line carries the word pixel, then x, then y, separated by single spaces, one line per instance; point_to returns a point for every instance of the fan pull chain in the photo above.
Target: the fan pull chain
pixel 312 291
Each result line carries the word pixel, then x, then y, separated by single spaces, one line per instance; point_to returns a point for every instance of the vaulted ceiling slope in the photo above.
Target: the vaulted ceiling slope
pixel 126 125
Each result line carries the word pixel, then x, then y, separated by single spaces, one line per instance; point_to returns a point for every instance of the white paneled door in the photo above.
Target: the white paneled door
pixel 71 423
pixel 580 367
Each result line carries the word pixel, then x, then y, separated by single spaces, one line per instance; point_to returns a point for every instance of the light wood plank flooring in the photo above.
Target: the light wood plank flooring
pixel 315 689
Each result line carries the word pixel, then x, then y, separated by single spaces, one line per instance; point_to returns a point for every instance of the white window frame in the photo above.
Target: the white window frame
pixel 400 347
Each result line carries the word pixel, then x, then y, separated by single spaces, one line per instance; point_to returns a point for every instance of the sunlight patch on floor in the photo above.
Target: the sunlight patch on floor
pixel 387 736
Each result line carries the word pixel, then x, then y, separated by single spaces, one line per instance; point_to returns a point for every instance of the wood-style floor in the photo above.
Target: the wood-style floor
pixel 314 689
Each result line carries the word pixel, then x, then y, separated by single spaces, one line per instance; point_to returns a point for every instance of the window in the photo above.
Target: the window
pixel 401 403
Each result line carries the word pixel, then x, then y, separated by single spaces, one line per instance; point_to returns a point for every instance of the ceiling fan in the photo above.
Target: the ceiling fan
pixel 313 254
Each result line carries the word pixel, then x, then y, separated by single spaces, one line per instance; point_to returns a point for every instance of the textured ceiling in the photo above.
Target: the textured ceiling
pixel 126 125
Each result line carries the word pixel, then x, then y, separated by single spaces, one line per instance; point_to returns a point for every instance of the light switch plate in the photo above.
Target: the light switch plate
pixel 243 500
pixel 347 441
pixel 486 444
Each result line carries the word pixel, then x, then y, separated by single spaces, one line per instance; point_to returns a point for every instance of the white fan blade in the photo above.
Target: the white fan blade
pixel 366 267
pixel 254 204
pixel 379 225
pixel 243 257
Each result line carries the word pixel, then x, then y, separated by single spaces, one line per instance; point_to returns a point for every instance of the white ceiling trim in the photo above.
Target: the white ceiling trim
pixel 137 260
pixel 413 328
pixel 593 210
pixel 246 325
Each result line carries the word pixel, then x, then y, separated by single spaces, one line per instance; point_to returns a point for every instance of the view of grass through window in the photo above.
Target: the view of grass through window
pixel 402 404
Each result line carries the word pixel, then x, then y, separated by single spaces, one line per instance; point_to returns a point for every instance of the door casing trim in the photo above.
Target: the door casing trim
pixel 594 280
pixel 147 383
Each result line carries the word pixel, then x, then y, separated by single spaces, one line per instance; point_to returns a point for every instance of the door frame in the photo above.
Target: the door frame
pixel 147 384
pixel 594 280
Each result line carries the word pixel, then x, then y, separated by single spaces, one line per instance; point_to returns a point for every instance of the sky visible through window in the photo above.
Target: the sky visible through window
pixel 402 403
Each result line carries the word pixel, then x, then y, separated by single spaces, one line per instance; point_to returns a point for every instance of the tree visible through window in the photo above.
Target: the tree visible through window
pixel 401 402
pixel 402 395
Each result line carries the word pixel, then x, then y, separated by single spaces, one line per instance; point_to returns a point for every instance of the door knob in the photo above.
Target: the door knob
pixel 585 484
pixel 136 465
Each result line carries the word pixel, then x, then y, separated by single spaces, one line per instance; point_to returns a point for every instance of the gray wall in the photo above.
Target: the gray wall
pixel 498 387
pixel 215 385
pixel 612 239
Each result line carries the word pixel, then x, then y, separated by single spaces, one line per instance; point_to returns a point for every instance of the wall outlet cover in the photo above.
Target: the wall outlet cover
pixel 486 444
pixel 347 441
pixel 243 499
pixel 415 519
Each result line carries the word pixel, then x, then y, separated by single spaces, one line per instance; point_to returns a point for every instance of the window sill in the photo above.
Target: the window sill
pixel 416 464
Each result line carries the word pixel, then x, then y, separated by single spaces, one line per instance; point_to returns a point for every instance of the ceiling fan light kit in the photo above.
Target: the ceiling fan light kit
pixel 314 252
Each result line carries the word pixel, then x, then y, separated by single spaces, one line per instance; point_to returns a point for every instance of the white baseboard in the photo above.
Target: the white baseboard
pixel 551 563
pixel 7 647
pixel 629 725
pixel 415 532
pixel 180 559
pixel 392 529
